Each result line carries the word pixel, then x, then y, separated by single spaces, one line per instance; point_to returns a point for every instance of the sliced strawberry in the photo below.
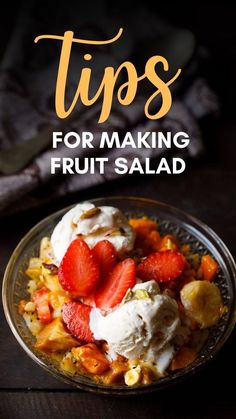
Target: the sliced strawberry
pixel 162 266
pixel 41 299
pixel 116 285
pixel 76 316
pixel 79 272
pixel 105 256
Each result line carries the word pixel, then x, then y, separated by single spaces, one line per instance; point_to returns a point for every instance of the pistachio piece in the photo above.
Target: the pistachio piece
pixel 140 294
pixel 90 213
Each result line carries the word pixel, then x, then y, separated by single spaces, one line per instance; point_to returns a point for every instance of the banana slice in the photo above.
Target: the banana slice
pixel 202 302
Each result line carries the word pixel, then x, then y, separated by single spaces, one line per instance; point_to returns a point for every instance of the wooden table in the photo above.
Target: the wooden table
pixel 206 191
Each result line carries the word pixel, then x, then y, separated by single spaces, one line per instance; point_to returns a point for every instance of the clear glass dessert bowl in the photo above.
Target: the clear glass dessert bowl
pixel 170 220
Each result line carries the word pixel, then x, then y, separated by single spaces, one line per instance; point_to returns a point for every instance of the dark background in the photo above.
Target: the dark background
pixel 206 190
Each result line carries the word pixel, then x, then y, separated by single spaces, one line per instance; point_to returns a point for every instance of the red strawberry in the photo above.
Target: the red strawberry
pixel 78 272
pixel 162 266
pixel 116 284
pixel 76 316
pixel 105 255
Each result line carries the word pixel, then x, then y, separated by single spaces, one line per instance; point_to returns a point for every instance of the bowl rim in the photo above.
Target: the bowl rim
pixel 122 390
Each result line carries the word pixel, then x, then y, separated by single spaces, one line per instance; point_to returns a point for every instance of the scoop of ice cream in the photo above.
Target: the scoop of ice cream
pixel 141 326
pixel 163 358
pixel 92 224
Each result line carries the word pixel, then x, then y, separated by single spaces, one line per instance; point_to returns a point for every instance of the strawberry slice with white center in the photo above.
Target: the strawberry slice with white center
pixel 105 256
pixel 79 272
pixel 116 285
pixel 162 266
pixel 76 316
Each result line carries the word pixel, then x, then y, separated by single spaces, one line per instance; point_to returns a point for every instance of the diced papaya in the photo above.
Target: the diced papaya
pixel 152 242
pixel 208 268
pixel 91 358
pixel 21 306
pixel 142 226
pixel 54 338
pixel 147 237
pixel 116 372
pixel 183 358
pixel 185 248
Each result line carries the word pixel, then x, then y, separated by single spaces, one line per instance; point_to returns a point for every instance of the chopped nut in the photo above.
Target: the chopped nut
pixel 90 213
pixel 115 231
pixel 30 307
pixel 140 294
pixel 133 376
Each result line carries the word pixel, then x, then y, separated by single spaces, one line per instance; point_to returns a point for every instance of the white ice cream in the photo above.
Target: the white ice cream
pixel 107 224
pixel 140 327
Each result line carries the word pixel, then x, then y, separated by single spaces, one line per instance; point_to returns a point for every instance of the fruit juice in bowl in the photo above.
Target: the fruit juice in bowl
pixel 124 300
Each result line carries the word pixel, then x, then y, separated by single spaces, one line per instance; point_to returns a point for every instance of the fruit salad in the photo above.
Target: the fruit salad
pixel 113 299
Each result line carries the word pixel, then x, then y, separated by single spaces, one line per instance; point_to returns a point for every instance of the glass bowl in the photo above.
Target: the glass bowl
pixel 171 220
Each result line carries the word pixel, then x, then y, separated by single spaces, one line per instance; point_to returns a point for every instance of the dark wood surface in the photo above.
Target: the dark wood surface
pixel 206 191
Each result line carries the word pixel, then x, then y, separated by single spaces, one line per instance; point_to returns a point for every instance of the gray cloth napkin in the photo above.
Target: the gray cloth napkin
pixel 27 86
